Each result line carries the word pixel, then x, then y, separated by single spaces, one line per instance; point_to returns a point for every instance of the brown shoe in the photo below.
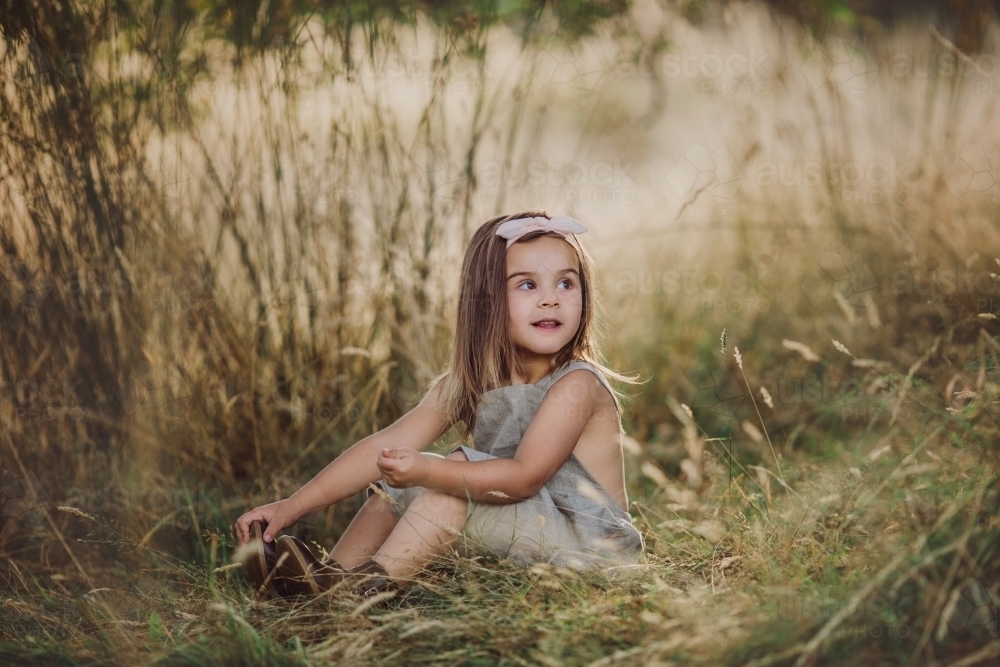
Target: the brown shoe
pixel 374 579
pixel 260 564
pixel 300 572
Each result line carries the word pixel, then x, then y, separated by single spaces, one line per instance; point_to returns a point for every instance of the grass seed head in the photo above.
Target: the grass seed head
pixel 842 348
pixel 803 349
pixel 766 395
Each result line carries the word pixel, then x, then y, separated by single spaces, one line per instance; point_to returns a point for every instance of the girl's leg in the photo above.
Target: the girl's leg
pixel 429 526
pixel 366 533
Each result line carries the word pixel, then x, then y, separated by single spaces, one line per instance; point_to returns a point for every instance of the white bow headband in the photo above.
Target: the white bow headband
pixel 563 225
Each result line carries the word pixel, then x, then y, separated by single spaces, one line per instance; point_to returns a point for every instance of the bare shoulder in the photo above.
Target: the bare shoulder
pixel 582 389
pixel 433 398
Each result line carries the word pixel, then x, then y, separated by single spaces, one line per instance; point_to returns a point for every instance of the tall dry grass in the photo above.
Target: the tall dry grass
pixel 226 259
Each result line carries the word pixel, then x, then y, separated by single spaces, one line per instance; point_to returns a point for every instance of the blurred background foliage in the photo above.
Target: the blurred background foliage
pixel 231 233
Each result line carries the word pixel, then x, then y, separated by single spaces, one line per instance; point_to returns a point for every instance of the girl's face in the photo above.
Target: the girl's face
pixel 544 299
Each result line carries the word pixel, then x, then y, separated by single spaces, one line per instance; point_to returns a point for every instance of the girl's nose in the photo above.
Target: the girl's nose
pixel 550 297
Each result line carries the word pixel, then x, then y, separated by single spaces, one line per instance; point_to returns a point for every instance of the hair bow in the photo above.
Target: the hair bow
pixel 563 225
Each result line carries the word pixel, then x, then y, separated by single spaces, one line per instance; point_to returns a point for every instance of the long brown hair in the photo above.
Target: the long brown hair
pixel 483 354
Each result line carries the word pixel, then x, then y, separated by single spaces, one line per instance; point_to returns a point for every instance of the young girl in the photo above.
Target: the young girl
pixel 544 478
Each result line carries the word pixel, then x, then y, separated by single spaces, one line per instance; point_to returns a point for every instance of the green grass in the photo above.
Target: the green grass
pixel 819 530
pixel 775 577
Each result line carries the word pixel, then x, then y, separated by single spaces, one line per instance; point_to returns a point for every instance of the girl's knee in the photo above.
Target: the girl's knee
pixel 377 503
pixel 380 502
pixel 434 502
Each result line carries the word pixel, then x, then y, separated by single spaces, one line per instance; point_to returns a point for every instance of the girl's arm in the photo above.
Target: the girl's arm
pixel 545 447
pixel 353 470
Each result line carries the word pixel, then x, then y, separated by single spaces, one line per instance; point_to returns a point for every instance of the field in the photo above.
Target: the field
pixel 230 242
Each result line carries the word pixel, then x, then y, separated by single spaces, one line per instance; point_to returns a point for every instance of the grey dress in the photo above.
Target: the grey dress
pixel 572 521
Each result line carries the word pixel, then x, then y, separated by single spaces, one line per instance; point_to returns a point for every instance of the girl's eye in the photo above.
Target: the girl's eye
pixel 530 283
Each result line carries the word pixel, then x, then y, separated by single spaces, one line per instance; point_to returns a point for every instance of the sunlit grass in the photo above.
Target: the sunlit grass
pixel 265 273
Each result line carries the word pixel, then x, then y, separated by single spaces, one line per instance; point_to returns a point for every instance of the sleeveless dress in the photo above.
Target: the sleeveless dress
pixel 572 521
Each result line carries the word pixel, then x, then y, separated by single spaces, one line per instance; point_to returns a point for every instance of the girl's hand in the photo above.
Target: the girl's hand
pixel 277 516
pixel 402 468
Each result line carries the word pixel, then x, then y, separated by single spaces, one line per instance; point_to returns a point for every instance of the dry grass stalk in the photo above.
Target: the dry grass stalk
pixel 692 466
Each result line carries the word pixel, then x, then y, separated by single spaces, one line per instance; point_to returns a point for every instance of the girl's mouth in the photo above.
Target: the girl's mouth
pixel 547 325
